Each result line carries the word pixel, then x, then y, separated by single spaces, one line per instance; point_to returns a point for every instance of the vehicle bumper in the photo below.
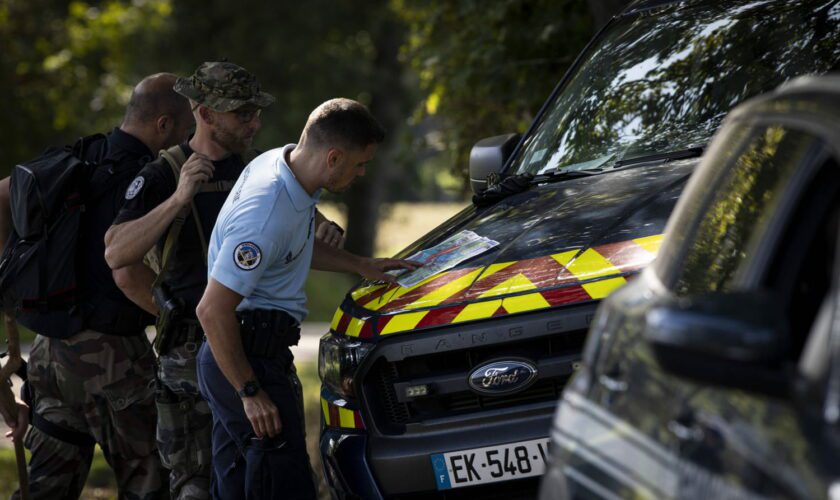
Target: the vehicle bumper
pixel 346 469
pixel 360 465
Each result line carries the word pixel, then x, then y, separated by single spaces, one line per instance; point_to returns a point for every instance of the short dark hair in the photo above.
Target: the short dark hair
pixel 343 122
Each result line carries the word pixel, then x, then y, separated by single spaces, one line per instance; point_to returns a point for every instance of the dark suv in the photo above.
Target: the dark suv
pixel 716 373
pixel 446 389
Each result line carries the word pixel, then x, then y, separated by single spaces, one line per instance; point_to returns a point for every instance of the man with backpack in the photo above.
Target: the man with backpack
pixel 91 367
pixel 172 205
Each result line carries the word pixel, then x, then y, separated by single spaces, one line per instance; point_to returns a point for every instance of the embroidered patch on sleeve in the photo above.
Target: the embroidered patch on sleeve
pixel 247 256
pixel 134 188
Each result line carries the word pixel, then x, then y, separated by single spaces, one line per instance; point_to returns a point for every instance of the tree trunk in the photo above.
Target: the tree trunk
pixel 387 98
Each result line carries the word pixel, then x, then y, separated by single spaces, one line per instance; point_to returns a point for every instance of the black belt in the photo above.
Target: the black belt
pixel 115 318
pixel 268 333
pixel 187 332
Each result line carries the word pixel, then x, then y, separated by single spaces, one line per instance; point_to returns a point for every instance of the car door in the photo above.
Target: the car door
pixel 773 228
pixel 620 425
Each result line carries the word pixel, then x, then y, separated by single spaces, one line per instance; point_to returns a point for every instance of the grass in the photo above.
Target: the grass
pixel 26 335
pixel 308 373
pixel 101 484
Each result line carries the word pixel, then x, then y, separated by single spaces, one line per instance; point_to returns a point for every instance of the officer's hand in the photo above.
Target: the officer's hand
pixel 330 233
pixel 263 415
pixel 18 428
pixel 196 170
pixel 374 269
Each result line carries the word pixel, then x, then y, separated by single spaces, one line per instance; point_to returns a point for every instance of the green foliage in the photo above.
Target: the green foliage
pixel 302 55
pixel 67 68
pixel 324 293
pixel 486 67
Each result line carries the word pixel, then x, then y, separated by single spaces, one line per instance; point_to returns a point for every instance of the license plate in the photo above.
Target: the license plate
pixel 490 464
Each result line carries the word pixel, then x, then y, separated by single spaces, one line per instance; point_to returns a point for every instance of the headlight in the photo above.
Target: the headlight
pixel 338 360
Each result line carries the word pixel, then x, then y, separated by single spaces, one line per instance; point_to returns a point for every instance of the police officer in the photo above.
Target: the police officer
pixel 226 101
pixel 260 253
pixel 96 386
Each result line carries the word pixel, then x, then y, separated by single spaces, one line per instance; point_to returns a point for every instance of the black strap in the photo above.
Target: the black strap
pixel 79 148
pixel 80 439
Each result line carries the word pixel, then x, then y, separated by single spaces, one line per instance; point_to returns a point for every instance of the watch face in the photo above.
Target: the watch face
pixel 250 389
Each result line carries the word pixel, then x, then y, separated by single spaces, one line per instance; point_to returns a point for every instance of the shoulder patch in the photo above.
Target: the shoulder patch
pixel 247 256
pixel 134 188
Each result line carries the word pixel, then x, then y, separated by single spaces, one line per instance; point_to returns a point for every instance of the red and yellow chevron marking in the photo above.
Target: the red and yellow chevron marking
pixel 498 289
pixel 339 416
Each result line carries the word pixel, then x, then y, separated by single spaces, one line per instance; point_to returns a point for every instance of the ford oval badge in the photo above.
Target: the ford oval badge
pixel 503 377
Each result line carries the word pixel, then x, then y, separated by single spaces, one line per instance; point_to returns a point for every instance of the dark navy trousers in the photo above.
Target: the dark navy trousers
pixel 244 466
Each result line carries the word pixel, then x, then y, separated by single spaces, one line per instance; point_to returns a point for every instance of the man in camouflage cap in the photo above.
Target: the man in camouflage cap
pixel 226 101
pixel 224 87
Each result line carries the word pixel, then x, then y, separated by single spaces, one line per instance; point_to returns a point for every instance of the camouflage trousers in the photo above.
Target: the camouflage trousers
pixel 99 385
pixel 184 424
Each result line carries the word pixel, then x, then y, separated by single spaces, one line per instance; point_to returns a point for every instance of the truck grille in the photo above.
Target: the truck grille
pixel 392 415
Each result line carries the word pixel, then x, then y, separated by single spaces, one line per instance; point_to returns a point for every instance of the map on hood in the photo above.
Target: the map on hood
pixel 445 255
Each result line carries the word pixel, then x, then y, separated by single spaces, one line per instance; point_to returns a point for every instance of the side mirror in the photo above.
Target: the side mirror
pixel 489 156
pixel 730 339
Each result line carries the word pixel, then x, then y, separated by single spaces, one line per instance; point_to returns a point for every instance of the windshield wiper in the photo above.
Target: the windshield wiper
pixel 561 175
pixel 680 154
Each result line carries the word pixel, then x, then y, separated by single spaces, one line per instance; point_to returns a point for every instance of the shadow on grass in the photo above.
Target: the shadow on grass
pixel 101 484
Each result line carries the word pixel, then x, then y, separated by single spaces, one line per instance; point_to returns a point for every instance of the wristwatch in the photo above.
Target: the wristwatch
pixel 250 389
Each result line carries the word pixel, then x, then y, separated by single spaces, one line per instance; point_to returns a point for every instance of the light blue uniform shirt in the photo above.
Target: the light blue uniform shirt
pixel 261 246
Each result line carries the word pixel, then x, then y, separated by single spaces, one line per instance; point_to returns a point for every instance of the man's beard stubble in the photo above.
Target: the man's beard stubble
pixel 230 141
pixel 332 185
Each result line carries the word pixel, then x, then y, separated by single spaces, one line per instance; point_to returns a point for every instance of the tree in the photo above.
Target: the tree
pixel 66 69
pixel 304 56
pixel 486 67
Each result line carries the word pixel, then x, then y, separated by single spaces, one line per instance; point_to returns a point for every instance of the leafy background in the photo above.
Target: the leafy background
pixel 439 75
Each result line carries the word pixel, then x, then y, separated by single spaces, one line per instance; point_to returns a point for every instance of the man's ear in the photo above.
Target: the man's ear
pixel 334 156
pixel 164 123
pixel 206 115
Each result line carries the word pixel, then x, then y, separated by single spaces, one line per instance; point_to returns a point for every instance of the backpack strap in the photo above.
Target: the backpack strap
pixel 79 148
pixel 175 157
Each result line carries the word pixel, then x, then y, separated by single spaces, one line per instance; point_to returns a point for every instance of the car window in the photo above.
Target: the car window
pixel 663 82
pixel 741 202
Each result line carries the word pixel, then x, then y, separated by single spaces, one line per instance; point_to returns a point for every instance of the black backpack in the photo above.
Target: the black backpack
pixel 39 270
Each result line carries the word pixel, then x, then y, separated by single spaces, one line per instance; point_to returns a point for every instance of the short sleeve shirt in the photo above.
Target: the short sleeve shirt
pixel 187 275
pixel 261 246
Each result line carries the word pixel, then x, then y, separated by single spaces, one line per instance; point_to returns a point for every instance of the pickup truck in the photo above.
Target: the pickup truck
pixel 446 388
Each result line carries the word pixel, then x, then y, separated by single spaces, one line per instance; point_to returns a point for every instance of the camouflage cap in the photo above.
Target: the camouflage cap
pixel 223 86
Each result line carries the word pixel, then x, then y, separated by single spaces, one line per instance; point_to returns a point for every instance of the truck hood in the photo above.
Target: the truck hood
pixel 560 243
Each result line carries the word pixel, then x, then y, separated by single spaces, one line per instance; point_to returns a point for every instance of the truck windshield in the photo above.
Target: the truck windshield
pixel 661 81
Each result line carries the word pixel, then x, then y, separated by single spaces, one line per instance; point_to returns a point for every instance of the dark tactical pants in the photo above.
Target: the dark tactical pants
pixel 247 467
pixel 184 424
pixel 101 385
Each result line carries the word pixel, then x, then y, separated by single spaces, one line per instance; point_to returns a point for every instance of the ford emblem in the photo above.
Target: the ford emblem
pixel 503 377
